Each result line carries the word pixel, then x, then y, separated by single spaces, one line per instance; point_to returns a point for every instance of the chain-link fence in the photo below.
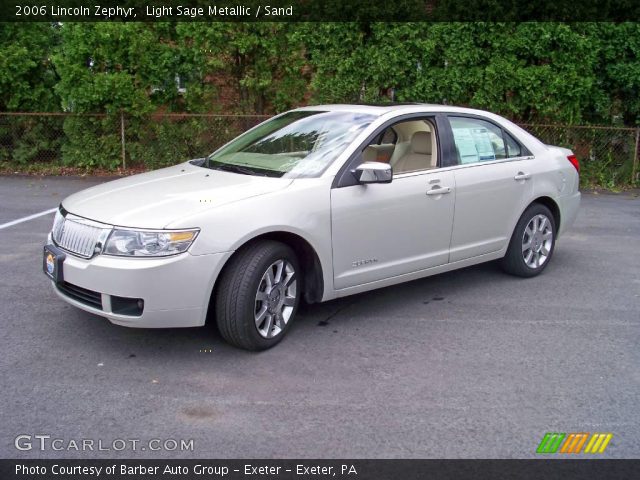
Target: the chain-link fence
pixel 608 155
pixel 111 142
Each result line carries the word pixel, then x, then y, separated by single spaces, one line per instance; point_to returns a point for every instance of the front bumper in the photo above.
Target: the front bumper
pixel 175 290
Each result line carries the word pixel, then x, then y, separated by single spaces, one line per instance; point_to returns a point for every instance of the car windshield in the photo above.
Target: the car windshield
pixel 296 144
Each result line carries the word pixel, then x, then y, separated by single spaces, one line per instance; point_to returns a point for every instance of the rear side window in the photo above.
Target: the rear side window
pixel 477 140
pixel 513 148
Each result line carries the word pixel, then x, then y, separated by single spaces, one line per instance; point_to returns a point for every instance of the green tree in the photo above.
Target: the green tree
pixel 261 64
pixel 112 67
pixel 117 68
pixel 27 80
pixel 618 71
pixel 543 71
pixel 27 76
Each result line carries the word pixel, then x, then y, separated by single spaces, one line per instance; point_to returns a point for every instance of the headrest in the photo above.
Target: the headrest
pixel 421 143
pixel 370 154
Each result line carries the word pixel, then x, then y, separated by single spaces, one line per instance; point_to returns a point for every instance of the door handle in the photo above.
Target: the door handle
pixel 522 176
pixel 439 190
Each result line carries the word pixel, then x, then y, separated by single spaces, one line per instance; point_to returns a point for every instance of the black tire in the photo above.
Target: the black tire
pixel 514 261
pixel 235 298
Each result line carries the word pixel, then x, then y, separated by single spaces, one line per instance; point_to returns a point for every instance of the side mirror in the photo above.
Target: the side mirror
pixel 373 172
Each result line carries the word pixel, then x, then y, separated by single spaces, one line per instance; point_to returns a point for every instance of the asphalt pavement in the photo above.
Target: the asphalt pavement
pixel 468 364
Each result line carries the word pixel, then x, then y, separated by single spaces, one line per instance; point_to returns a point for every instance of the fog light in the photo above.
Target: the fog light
pixel 127 306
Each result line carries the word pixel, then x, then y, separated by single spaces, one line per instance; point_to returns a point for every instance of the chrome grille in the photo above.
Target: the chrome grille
pixel 76 235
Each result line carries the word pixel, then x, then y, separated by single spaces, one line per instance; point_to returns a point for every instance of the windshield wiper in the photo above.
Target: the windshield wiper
pixel 227 167
pixel 241 169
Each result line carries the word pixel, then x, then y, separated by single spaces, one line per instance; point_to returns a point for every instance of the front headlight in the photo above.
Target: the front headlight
pixel 58 220
pixel 138 243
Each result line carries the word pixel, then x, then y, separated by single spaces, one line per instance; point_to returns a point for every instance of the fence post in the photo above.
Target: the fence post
pixel 634 168
pixel 124 152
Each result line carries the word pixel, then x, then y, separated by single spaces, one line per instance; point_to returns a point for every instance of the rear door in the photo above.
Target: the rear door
pixel 493 186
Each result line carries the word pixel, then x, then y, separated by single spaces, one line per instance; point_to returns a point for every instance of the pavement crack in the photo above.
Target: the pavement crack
pixel 325 322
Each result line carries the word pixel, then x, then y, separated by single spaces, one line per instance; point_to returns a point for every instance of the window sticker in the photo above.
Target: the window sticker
pixel 474 144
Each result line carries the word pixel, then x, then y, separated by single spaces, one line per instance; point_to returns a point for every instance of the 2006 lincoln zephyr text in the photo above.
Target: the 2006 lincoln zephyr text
pixel 316 203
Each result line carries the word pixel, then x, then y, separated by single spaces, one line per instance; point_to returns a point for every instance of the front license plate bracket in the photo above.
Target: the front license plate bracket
pixel 52 261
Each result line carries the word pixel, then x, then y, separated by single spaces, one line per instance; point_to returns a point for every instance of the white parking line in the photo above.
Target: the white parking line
pixel 26 219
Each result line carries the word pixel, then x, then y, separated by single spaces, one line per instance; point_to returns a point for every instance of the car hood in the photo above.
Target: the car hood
pixel 155 199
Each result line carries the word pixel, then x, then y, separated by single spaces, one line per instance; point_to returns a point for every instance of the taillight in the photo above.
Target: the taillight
pixel 574 161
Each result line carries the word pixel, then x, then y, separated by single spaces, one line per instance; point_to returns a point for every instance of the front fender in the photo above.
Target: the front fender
pixel 302 209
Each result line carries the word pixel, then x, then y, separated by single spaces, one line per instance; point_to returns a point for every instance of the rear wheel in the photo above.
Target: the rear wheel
pixel 258 295
pixel 532 242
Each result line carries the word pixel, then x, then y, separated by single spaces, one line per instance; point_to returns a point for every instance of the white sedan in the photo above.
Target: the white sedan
pixel 316 203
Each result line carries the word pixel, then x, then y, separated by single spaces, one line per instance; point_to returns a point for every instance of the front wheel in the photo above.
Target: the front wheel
pixel 532 242
pixel 258 295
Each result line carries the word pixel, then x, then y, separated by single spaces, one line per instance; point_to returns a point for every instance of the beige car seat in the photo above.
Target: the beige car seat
pixel 378 153
pixel 420 155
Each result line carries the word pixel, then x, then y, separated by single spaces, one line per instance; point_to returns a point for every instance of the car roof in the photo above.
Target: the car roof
pixel 382 109
pixel 391 110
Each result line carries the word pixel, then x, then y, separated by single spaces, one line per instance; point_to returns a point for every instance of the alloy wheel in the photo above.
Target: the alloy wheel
pixel 537 241
pixel 275 298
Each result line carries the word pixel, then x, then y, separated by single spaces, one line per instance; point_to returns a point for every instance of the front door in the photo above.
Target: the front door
pixel 384 230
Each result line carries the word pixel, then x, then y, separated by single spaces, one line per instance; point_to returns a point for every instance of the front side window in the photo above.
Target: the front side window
pixel 388 137
pixel 408 146
pixel 477 140
pixel 294 145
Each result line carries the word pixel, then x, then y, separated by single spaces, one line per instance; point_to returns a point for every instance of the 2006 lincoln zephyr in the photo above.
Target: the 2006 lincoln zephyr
pixel 316 203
